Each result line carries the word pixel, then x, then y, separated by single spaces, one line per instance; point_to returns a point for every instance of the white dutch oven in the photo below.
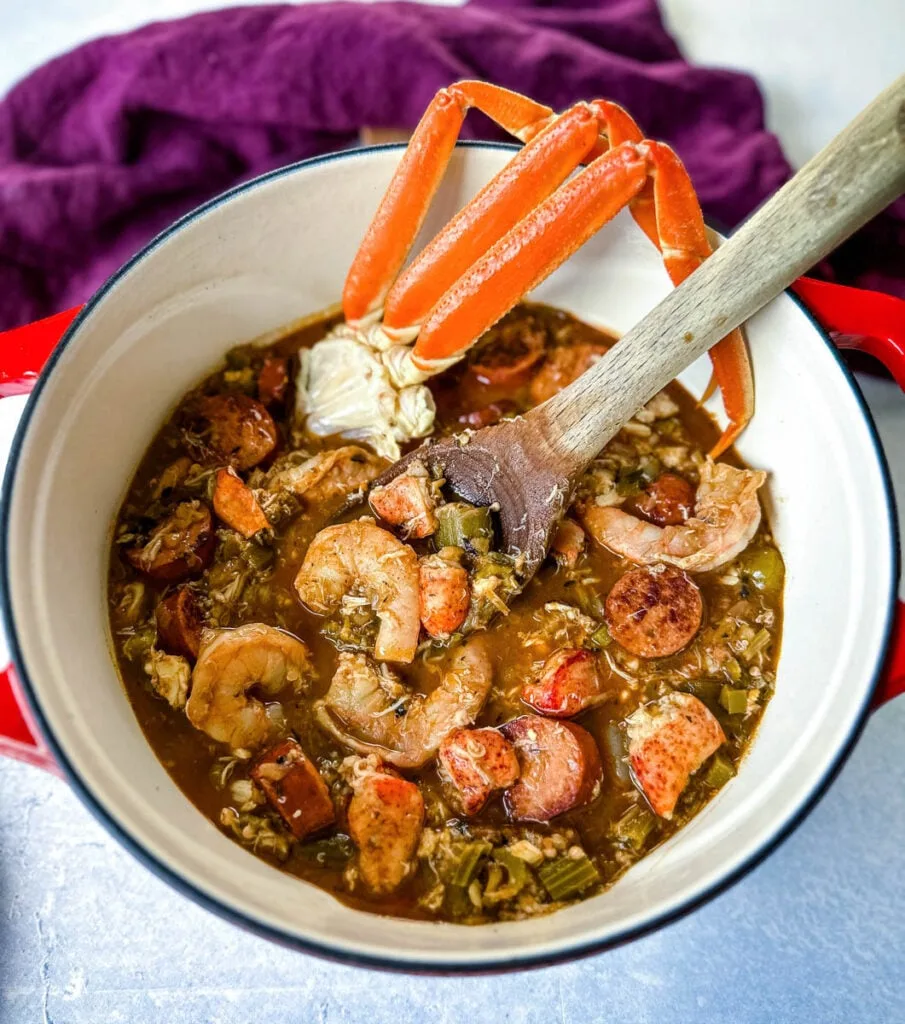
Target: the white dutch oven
pixel 260 257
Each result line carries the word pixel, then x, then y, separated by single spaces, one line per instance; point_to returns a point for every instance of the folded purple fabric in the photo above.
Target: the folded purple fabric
pixel 104 146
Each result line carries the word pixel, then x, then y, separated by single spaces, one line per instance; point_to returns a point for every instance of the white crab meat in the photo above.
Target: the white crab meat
pixel 360 384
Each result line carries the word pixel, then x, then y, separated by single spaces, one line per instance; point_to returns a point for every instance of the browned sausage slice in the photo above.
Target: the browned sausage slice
pixel 668 501
pixel 179 624
pixel 668 740
pixel 569 683
pixel 386 816
pixel 273 381
pixel 475 762
pixel 240 430
pixel 236 505
pixel 294 787
pixel 181 545
pixel 560 768
pixel 654 612
pixel 444 593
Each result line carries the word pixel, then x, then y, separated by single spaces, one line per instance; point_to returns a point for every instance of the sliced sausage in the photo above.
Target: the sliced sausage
pixel 239 429
pixel 273 381
pixel 563 365
pixel 474 763
pixel 655 611
pixel 179 624
pixel 668 741
pixel 668 501
pixel 295 789
pixel 559 764
pixel 407 502
pixel 236 505
pixel 568 542
pixel 568 684
pixel 386 816
pixel 181 545
pixel 444 592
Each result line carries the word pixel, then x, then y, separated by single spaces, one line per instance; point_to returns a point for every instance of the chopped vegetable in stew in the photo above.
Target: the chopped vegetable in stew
pixel 354 682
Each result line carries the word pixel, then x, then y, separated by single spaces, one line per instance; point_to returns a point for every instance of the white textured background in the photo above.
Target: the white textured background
pixel 815 934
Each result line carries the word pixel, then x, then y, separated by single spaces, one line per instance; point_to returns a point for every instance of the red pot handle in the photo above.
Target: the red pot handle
pixel 868 321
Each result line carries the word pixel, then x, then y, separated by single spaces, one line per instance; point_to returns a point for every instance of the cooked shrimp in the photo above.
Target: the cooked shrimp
pixel 726 517
pixel 230 663
pixel 370 711
pixel 362 559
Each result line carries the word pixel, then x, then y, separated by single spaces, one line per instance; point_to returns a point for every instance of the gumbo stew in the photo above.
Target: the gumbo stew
pixel 352 682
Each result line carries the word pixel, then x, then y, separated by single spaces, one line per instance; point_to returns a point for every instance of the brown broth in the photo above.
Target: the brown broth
pixel 189 755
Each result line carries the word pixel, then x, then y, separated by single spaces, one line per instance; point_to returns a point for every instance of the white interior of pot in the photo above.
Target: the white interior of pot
pixel 278 251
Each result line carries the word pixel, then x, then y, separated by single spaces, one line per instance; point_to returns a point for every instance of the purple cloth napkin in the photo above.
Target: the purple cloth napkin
pixel 103 147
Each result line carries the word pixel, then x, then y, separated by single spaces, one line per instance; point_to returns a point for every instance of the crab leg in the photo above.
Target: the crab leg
pixel 668 211
pixel 527 254
pixel 404 206
pixel 529 177
pixel 683 242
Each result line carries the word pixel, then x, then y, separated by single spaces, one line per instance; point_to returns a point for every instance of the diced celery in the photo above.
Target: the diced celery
pixel 720 772
pixel 600 638
pixel 634 826
pixel 467 865
pixel 758 645
pixel 763 567
pixel 614 740
pixel 515 866
pixel 462 525
pixel 734 701
pixel 564 877
pixel 516 870
pixel 733 670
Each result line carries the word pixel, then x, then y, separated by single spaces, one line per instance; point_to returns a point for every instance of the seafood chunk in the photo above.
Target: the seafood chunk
pixel 236 505
pixel 563 365
pixel 232 663
pixel 668 741
pixel 169 675
pixel 179 624
pixel 407 502
pixel 370 711
pixel 444 592
pixel 560 768
pixel 475 762
pixel 386 817
pixel 362 559
pixel 568 684
pixel 237 429
pixel 295 789
pixel 654 612
pixel 181 545
pixel 329 478
pixel 568 542
pixel 726 516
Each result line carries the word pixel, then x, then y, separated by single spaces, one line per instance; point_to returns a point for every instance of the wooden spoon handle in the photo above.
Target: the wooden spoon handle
pixel 859 173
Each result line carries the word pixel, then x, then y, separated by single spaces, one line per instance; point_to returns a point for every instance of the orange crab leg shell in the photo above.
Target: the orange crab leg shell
pixel 683 242
pixel 404 205
pixel 527 254
pixel 526 180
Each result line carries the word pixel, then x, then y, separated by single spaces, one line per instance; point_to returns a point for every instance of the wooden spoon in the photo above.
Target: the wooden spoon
pixel 528 466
